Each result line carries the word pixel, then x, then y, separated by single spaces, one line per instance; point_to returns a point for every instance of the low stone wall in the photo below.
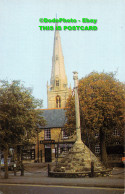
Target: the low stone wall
pixel 79 175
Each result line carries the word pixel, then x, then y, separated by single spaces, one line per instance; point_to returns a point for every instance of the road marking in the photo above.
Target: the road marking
pixel 77 187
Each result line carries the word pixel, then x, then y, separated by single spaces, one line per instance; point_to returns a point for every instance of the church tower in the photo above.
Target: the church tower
pixel 57 91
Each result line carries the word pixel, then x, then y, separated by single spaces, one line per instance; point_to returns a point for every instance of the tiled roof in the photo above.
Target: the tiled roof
pixel 55 118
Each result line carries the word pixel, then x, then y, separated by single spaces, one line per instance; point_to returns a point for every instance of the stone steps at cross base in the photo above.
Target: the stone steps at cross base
pixel 78 159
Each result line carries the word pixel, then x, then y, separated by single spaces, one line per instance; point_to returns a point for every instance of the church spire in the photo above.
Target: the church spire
pixel 58 90
pixel 58 67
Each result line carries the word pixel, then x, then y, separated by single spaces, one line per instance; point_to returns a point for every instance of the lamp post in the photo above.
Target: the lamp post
pixel 78 130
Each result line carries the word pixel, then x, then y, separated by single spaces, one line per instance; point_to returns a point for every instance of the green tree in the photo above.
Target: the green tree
pixel 102 101
pixel 19 116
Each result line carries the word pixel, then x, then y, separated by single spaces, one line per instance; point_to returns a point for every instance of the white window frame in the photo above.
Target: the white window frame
pixel 97 149
pixel 116 132
pixel 47 134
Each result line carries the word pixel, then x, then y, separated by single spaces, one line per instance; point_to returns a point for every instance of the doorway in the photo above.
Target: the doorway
pixel 48 153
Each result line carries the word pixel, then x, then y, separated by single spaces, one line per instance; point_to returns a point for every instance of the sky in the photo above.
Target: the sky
pixel 26 51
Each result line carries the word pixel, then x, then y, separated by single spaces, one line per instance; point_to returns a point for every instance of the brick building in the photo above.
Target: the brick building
pixel 52 140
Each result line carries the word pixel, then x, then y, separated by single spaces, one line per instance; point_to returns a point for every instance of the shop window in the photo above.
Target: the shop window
pixel 28 154
pixel 63 147
pixel 47 134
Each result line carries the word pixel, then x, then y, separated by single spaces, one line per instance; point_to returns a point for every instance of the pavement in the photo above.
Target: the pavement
pixel 39 176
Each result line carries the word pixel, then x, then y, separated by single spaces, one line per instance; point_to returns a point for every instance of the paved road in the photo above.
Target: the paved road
pixel 43 189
